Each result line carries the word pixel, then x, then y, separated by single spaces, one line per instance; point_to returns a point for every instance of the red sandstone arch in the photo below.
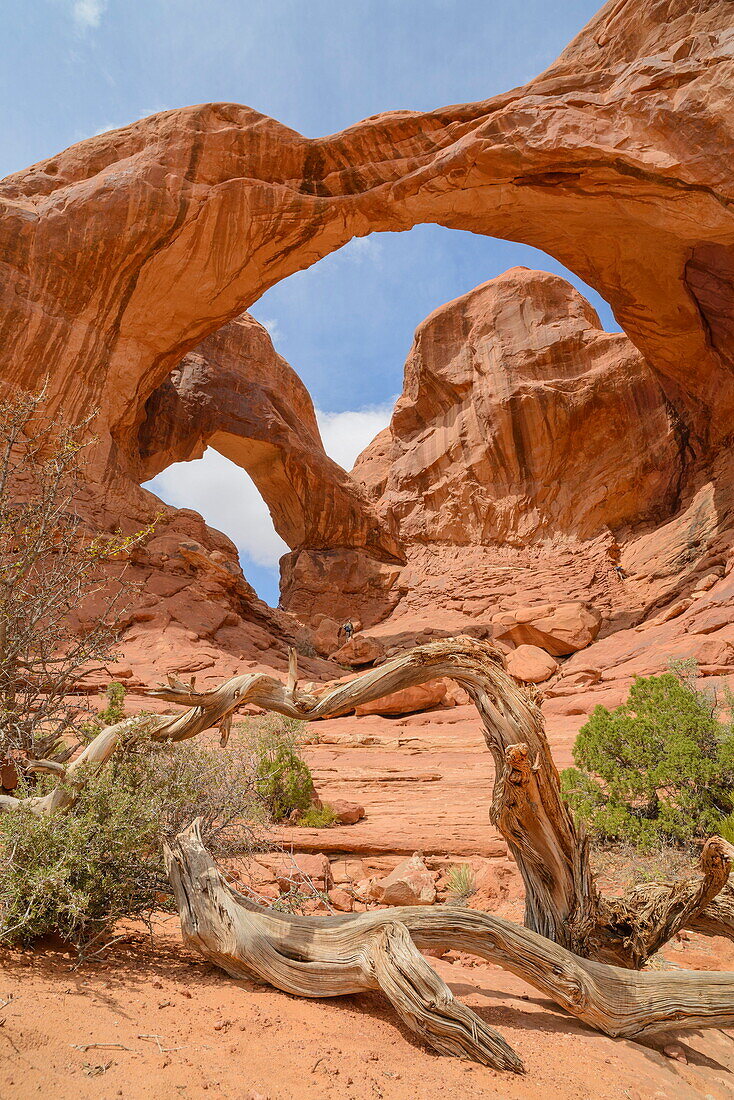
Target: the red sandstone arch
pixel 237 395
pixel 120 254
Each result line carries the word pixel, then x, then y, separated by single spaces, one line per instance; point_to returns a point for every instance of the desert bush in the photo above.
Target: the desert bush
pixel 282 778
pixel 318 817
pixel 461 884
pixel 54 574
pixel 114 712
pixel 75 874
pixel 658 768
pixel 300 899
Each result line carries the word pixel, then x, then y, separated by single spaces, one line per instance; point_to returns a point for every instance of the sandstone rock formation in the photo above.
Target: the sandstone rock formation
pixel 123 252
pixel 126 251
pixel 520 418
pixel 411 883
pixel 237 395
pixel 347 813
pixel 558 630
pixel 359 651
pixel 530 664
pixel 408 700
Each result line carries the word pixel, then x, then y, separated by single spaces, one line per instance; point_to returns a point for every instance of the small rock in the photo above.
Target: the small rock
pixel 340 900
pixel 347 813
pixel 411 883
pixel 307 867
pixel 676 1051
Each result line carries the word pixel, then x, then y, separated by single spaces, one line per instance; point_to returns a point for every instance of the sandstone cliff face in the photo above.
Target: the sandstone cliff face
pixel 520 418
pixel 193 610
pixel 125 252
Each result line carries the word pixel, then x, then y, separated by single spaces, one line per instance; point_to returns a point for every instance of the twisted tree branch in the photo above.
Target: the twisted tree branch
pixel 327 956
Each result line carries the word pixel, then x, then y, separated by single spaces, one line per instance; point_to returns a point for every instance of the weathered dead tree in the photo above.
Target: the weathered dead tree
pixel 330 956
pixel 551 850
pixel 571 933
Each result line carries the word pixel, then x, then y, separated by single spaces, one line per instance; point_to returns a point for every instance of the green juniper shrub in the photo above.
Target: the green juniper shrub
pixel 74 874
pixel 114 712
pixel 318 817
pixel 282 778
pixel 658 768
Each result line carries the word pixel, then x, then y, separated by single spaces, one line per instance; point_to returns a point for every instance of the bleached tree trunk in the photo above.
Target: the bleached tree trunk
pixel 330 956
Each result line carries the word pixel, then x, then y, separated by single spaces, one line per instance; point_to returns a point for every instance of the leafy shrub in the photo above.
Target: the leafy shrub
pixel 658 768
pixel 76 873
pixel 318 817
pixel 114 712
pixel 461 884
pixel 282 778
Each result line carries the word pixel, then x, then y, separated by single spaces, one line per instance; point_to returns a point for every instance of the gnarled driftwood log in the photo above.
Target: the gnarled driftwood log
pixel 329 956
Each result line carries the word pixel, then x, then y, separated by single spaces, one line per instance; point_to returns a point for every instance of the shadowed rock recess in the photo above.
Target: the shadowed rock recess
pixel 530 454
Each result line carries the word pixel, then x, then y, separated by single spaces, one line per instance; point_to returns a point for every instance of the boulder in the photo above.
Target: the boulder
pixel 559 629
pixel 359 651
pixel 530 664
pixel 409 700
pixel 411 883
pixel 326 636
pixel 347 813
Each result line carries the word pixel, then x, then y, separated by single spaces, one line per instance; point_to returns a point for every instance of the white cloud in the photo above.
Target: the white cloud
pixel 88 13
pixel 360 250
pixel 273 328
pixel 346 434
pixel 227 499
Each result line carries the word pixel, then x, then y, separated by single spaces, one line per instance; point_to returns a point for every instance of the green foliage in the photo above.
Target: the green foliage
pixel 282 778
pixel 318 817
pixel 74 874
pixel 658 768
pixel 461 884
pixel 114 712
pixel 725 828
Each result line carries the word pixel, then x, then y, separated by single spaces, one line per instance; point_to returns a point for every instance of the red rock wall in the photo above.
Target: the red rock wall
pixel 521 419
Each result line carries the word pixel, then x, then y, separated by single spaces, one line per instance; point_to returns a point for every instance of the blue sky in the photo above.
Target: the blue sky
pixel 72 68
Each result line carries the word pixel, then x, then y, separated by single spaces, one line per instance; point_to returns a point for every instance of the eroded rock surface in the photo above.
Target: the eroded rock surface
pixel 558 630
pixel 124 251
pixel 520 418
